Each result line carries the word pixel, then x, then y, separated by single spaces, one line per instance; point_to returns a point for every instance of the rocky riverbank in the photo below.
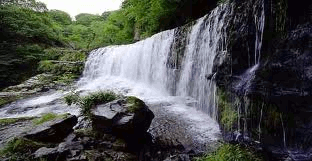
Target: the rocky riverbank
pixel 115 130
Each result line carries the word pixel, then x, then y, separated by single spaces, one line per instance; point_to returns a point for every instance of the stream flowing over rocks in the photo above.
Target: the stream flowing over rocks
pixel 182 76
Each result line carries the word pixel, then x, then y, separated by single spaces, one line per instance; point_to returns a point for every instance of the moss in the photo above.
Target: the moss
pixel 230 152
pixel 17 147
pixel 65 78
pixel 134 104
pixel 228 115
pixel 7 100
pixel 48 117
pixel 8 121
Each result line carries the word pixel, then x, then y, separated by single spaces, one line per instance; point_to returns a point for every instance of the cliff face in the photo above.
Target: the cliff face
pixel 268 91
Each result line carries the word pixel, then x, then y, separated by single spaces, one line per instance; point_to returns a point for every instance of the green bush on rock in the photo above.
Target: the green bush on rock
pixel 91 100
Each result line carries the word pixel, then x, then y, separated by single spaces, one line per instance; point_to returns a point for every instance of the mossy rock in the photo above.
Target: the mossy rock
pixel 134 104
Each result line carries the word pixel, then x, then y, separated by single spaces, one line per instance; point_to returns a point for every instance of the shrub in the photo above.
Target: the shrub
pixel 46 66
pixel 72 98
pixel 73 55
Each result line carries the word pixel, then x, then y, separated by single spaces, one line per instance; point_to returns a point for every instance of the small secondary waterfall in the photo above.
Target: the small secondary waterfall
pixel 154 62
pixel 259 17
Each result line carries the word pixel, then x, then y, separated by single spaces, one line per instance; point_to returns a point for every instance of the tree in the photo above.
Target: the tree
pixel 86 19
pixel 60 17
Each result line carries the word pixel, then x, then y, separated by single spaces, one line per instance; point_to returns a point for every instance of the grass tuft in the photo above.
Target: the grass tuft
pixel 89 101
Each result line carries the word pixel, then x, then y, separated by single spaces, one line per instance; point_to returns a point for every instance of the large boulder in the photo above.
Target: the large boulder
pixel 52 131
pixel 123 117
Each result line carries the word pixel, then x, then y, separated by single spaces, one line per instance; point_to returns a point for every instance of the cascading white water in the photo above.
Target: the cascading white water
pixel 154 71
pixel 145 62
pixel 207 38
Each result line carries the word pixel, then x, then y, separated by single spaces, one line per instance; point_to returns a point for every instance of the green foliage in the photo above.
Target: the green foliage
pixel 89 101
pixel 60 17
pixel 86 19
pixel 64 54
pixel 48 117
pixel 65 79
pixel 25 32
pixel 46 66
pixel 229 152
pixel 73 56
pixel 18 147
pixel 134 104
pixel 72 98
pixel 60 68
pixel 148 15
pixel 106 14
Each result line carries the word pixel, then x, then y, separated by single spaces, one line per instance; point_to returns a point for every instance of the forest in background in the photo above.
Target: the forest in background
pixel 29 30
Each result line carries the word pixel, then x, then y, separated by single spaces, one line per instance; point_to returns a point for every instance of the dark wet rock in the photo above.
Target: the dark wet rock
pixel 83 123
pixel 121 118
pixel 71 149
pixel 78 158
pixel 282 81
pixel 210 76
pixel 109 155
pixel 47 153
pixel 71 137
pixel 179 157
pixel 168 144
pixel 52 131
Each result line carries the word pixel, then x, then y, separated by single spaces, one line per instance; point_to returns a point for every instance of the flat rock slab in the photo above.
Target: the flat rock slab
pixel 52 131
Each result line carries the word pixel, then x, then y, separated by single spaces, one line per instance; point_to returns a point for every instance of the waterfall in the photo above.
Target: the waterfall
pixel 259 18
pixel 148 63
